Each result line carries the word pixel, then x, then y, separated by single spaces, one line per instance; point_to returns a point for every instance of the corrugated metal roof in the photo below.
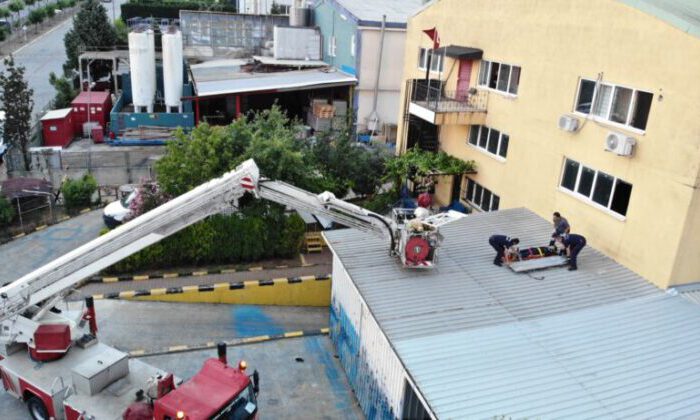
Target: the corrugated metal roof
pixel 368 12
pixel 683 14
pixel 279 81
pixel 482 341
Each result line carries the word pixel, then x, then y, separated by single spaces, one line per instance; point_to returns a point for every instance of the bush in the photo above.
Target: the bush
pixel 29 2
pixel 7 212
pixel 222 240
pixel 3 34
pixel 77 194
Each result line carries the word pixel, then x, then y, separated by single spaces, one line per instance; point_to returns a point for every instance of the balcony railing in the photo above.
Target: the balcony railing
pixel 439 100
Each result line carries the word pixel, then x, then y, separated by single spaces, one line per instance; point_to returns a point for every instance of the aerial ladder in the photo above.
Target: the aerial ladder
pixel 76 374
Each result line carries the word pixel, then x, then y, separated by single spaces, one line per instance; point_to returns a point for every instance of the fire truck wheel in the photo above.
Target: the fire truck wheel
pixel 37 409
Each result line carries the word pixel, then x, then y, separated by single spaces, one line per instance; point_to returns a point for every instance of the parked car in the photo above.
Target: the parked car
pixel 116 212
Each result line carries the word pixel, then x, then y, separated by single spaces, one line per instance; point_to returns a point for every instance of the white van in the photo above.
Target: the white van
pixel 115 213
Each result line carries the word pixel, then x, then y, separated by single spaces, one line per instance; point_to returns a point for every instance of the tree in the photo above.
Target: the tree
pixel 35 17
pixel 16 6
pixel 50 10
pixel 121 32
pixel 416 163
pixel 4 12
pixel 17 103
pixel 276 9
pixel 64 91
pixel 91 29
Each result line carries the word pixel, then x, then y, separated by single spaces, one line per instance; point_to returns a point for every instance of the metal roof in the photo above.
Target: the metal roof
pixel 460 328
pixel 370 12
pixel 279 81
pixel 56 114
pixel 683 14
pixel 456 51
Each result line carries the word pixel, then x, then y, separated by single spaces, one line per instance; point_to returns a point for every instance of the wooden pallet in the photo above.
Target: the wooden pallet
pixel 313 242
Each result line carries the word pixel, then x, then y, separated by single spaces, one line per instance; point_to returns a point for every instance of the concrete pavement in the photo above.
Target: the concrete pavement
pixel 299 377
pixel 30 252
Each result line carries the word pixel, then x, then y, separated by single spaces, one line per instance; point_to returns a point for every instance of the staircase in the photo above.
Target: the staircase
pixel 313 242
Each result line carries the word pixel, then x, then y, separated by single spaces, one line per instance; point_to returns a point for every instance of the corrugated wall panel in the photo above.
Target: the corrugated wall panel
pixel 373 369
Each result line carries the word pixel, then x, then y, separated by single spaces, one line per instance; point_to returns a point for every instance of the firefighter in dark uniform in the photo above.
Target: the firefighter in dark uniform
pixel 574 244
pixel 501 243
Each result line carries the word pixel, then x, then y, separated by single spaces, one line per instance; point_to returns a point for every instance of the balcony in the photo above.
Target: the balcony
pixel 440 107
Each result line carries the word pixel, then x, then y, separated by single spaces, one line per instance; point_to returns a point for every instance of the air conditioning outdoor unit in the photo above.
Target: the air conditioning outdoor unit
pixel 568 123
pixel 619 144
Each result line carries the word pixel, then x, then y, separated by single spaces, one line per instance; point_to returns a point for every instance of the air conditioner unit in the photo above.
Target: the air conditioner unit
pixel 619 144
pixel 568 123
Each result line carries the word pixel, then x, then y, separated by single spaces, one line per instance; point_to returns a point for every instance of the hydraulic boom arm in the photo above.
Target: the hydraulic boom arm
pixel 50 282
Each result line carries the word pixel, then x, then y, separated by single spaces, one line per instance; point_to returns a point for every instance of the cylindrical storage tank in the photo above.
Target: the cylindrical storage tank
pixel 299 16
pixel 142 63
pixel 172 68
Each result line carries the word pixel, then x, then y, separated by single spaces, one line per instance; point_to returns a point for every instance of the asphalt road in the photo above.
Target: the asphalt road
pixel 300 377
pixel 30 252
pixel 47 54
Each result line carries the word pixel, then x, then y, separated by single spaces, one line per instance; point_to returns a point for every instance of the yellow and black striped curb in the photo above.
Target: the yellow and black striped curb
pixel 127 294
pixel 231 343
pixel 198 273
pixel 44 226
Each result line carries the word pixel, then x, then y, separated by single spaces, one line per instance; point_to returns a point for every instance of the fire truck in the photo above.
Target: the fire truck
pixel 51 358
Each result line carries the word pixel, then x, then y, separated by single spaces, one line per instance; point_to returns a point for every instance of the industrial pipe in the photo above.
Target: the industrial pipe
pixel 221 351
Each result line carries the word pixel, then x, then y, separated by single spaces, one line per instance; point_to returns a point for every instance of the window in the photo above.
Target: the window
pixel 499 76
pixel 436 62
pixel 331 46
pixel 480 197
pixel 596 186
pixel 614 103
pixel 353 45
pixel 489 139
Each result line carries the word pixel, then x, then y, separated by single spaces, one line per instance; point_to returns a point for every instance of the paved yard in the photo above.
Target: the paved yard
pixel 30 252
pixel 299 377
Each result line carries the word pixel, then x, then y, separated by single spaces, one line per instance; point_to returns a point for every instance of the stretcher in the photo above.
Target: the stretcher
pixel 536 258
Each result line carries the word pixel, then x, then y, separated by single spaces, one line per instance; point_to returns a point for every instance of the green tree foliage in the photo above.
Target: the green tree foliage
pixel 77 193
pixel 36 16
pixel 416 163
pixel 50 10
pixel 64 91
pixel 121 31
pixel 17 103
pixel 276 9
pixel 16 6
pixel 7 212
pixel 29 2
pixel 91 29
pixel 4 12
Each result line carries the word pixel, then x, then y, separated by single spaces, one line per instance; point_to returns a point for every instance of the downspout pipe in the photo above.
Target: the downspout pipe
pixel 373 117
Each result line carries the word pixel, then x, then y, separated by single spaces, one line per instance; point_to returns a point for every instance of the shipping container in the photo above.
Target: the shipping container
pixel 57 127
pixel 91 106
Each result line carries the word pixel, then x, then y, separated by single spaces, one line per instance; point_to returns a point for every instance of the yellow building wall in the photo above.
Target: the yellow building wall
pixel 555 43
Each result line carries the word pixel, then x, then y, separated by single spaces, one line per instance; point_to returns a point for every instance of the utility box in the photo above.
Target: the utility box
pixel 57 127
pixel 99 371
pixel 91 107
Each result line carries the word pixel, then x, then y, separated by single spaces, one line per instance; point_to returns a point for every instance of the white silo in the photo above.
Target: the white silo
pixel 142 63
pixel 172 68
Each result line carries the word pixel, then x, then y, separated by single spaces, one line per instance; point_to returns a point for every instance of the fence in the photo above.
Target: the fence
pixel 437 99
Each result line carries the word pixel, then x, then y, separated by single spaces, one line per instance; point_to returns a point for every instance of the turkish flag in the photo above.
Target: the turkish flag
pixel 433 34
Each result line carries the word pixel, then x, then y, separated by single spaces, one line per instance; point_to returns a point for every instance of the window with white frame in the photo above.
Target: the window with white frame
pixel 596 186
pixel 499 76
pixel 436 62
pixel 480 197
pixel 331 46
pixel 614 103
pixel 489 139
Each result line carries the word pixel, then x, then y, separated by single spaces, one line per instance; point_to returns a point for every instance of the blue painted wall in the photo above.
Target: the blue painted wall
pixel 333 20
pixel 369 393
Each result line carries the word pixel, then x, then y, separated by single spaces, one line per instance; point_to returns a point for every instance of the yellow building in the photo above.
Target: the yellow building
pixel 589 108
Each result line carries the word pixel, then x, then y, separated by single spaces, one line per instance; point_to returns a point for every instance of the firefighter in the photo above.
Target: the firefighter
pixel 561 226
pixel 501 243
pixel 573 244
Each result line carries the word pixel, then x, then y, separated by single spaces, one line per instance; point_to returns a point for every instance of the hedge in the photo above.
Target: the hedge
pixel 170 10
pixel 222 240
